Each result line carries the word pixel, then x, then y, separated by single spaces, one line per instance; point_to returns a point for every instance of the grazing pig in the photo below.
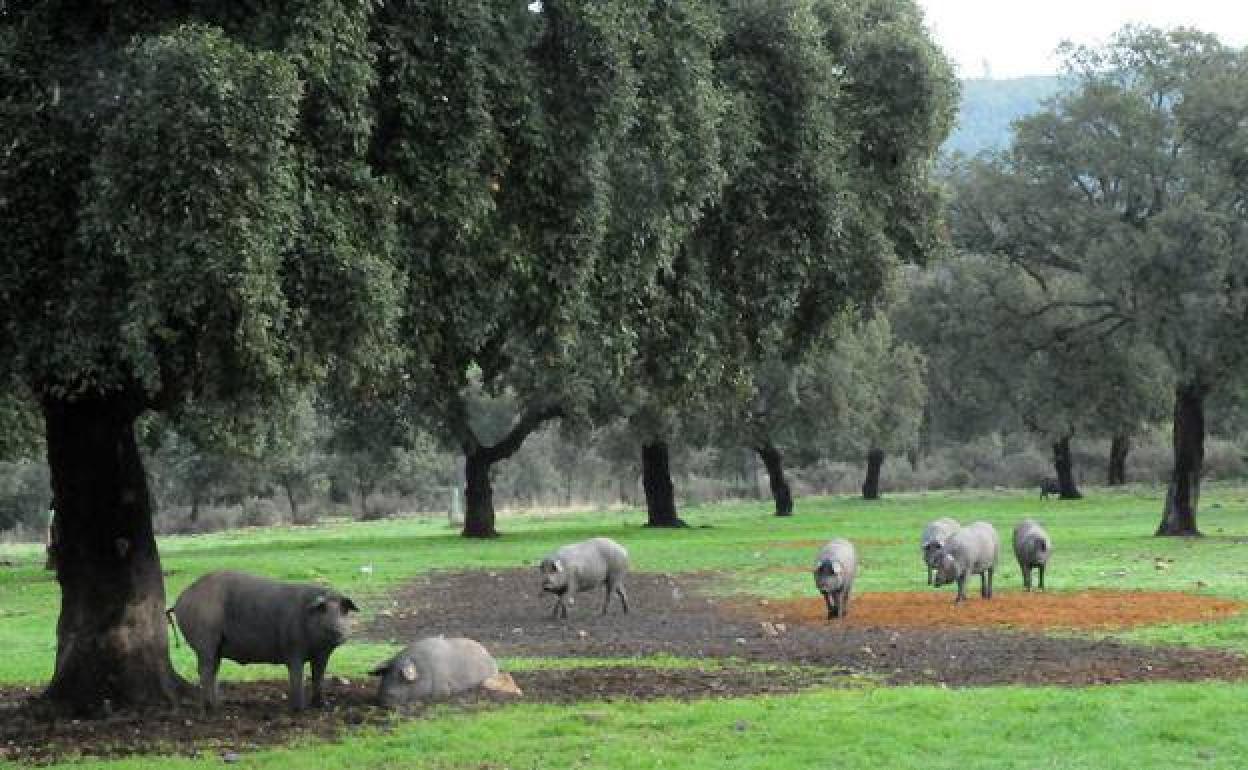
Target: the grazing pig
pixel 1049 486
pixel 835 569
pixel 1031 547
pixel 438 667
pixel 583 567
pixel 971 551
pixel 934 536
pixel 251 619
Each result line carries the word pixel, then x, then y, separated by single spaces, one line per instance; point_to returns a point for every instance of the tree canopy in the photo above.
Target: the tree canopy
pixel 1124 202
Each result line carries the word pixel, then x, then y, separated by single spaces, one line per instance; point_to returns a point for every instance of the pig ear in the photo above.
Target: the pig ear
pixel 318 604
pixel 408 671
pixel 348 605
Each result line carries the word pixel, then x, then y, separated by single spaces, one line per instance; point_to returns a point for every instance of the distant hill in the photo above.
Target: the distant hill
pixel 990 106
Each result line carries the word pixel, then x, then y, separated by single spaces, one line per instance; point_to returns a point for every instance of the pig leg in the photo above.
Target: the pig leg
pixel 1041 568
pixel 294 670
pixel 619 589
pixel 318 678
pixel 209 665
pixel 827 599
pixel 606 597
pixel 985 583
pixel 961 589
pixel 1026 577
pixel 929 575
pixel 842 604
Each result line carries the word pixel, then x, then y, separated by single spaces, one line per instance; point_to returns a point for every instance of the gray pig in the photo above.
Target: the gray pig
pixel 971 551
pixel 583 567
pixel 933 540
pixel 438 667
pixel 835 569
pixel 1031 547
pixel 251 619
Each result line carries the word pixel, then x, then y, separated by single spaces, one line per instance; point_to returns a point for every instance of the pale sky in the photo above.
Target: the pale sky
pixel 1017 37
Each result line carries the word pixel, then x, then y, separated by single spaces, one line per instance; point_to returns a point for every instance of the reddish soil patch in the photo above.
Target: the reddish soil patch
pixel 1087 610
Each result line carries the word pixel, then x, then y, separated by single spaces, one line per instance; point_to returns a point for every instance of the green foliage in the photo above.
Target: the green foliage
pixel 1125 192
pixel 187 241
pixel 1034 370
pixel 185 200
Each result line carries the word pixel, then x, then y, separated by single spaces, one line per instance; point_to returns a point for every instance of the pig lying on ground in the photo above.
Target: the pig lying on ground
pixel 583 567
pixel 1031 547
pixel 836 565
pixel 933 540
pixel 438 667
pixel 251 619
pixel 971 551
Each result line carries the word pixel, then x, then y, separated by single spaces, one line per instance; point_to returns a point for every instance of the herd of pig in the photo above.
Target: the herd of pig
pixel 952 554
pixel 251 619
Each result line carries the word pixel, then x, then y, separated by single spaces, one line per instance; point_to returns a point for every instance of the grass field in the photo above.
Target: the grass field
pixel 1104 541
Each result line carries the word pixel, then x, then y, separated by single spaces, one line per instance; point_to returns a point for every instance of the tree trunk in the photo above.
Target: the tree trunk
pixel 1065 470
pixel 1119 447
pixel 1183 495
pixel 780 491
pixel 479 461
pixel 871 485
pixel 112 645
pixel 365 489
pixel 478 495
pixel 289 486
pixel 656 478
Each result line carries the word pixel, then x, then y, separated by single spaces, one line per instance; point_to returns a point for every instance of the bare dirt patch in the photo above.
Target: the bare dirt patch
pixel 1085 610
pixel 674 615
pixel 254 715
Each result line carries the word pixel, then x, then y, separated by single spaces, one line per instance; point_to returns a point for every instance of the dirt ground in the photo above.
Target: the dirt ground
pixel 889 638
pixel 913 638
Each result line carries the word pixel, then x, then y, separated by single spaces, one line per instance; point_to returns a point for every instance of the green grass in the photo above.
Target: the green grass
pixel 1137 726
pixel 1096 540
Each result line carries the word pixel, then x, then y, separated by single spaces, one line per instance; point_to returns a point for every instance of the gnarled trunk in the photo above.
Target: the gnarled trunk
pixel 656 479
pixel 1119 447
pixel 112 645
pixel 1065 470
pixel 871 485
pixel 478 495
pixel 774 463
pixel 1183 494
pixel 479 462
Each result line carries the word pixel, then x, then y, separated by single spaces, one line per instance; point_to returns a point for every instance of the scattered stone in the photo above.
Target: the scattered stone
pixel 583 634
pixel 741 726
pixel 230 757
